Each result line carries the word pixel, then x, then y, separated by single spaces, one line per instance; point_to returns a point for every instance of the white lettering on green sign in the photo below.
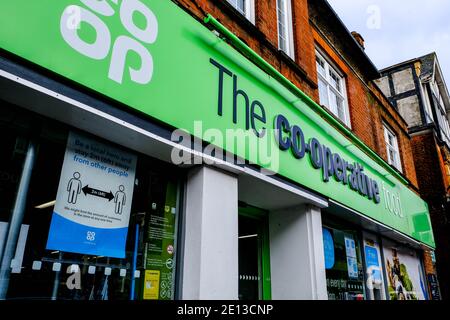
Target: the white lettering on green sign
pixel 74 15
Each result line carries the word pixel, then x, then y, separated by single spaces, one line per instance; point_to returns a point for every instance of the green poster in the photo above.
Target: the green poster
pixel 160 242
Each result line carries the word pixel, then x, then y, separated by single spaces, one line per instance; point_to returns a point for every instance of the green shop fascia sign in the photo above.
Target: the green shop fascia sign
pixel 155 58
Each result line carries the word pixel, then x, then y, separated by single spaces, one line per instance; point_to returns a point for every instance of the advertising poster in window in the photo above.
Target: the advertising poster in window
pixel 352 263
pixel 93 200
pixel 151 284
pixel 160 244
pixel 343 265
pixel 374 270
pixel 403 272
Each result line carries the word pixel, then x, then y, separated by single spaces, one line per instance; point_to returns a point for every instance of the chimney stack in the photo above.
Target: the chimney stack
pixel 358 37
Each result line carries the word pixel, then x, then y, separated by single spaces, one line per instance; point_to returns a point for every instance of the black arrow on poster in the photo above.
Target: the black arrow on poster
pixel 98 193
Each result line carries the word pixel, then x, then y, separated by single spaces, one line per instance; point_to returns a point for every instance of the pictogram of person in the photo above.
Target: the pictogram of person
pixel 120 199
pixel 74 188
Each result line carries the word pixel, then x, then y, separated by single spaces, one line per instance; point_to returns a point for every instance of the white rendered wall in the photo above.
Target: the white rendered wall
pixel 210 266
pixel 296 254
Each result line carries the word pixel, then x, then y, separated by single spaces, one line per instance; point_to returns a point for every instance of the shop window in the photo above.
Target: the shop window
pixel 404 272
pixel 392 150
pixel 285 27
pixel 375 289
pixel 332 91
pixel 245 7
pixel 98 221
pixel 343 264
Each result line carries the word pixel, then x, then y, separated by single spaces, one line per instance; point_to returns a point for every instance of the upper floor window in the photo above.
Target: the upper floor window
pixel 443 125
pixel 437 93
pixel 393 153
pixel 332 90
pixel 440 109
pixel 245 7
pixel 427 103
pixel 285 27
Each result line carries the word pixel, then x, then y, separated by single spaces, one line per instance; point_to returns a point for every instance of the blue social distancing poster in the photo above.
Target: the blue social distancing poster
pixel 93 201
pixel 372 262
pixel 328 248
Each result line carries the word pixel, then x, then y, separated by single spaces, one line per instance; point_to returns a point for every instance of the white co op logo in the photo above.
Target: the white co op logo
pixel 73 15
pixel 90 235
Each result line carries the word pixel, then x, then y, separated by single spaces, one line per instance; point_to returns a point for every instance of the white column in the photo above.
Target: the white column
pixel 296 254
pixel 210 266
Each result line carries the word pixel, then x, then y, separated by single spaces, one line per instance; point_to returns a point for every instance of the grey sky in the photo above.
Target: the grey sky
pixel 405 29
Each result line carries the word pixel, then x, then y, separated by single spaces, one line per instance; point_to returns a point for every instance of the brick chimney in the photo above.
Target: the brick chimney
pixel 358 37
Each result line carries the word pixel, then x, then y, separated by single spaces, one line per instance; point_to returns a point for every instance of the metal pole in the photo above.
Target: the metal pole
pixel 57 279
pixel 18 213
pixel 133 269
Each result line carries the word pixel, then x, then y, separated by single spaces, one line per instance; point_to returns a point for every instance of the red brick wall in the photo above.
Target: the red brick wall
pixel 428 166
pixel 263 38
pixel 304 41
pixel 369 109
pixel 432 185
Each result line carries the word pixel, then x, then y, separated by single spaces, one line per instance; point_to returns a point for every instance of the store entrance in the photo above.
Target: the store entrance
pixel 254 255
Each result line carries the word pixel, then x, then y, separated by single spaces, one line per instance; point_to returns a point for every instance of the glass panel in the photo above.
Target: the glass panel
pixel 335 81
pixel 391 156
pixel 320 66
pixel 323 93
pixel 427 102
pixel 282 42
pixel 390 139
pixel 334 101
pixel 343 264
pixel 14 147
pixel 282 37
pixel 250 278
pixel 149 237
pixel 282 25
pixel 340 109
pixel 241 6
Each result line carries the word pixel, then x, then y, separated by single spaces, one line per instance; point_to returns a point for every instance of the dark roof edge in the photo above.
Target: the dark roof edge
pixel 400 64
pixel 373 70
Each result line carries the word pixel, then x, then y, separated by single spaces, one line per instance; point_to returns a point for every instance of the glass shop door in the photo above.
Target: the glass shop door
pixel 254 255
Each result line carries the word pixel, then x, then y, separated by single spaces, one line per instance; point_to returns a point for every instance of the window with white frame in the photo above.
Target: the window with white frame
pixel 436 91
pixel 443 125
pixel 332 92
pixel 441 112
pixel 245 7
pixel 393 153
pixel 285 27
